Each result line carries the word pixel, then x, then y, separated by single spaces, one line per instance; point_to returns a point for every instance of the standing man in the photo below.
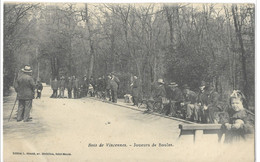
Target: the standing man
pixel 114 87
pixel 69 87
pixel 85 85
pixel 54 86
pixel 135 91
pixel 108 88
pixel 24 87
pixel 75 87
pixel 39 88
pixel 62 87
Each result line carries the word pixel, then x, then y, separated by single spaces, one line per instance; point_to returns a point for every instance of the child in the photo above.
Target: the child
pixel 238 125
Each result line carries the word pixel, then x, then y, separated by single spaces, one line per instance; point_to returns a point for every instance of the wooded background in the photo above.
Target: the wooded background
pixel 185 43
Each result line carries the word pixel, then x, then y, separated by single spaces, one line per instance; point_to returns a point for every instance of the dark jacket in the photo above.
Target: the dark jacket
pixel 136 88
pixel 160 92
pixel 75 83
pixel 62 83
pixel 202 98
pixel 113 85
pixel 25 87
pixel 39 86
pixel 190 97
pixel 69 84
pixel 54 85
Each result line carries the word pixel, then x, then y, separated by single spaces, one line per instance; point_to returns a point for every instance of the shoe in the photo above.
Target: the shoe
pixel 27 120
pixel 19 120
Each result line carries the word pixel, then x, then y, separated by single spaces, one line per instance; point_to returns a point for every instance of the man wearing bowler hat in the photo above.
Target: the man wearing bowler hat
pixel 25 93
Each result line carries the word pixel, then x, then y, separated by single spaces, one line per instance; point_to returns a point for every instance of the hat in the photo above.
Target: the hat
pixel 27 69
pixel 173 84
pixel 203 83
pixel 185 86
pixel 160 81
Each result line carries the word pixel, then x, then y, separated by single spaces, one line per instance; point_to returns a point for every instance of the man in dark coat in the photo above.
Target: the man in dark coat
pixel 176 97
pixel 202 102
pixel 62 87
pixel 214 104
pixel 156 98
pixel 39 88
pixel 69 87
pixel 54 86
pixel 75 86
pixel 85 85
pixel 190 100
pixel 108 88
pixel 114 87
pixel 24 86
pixel 135 91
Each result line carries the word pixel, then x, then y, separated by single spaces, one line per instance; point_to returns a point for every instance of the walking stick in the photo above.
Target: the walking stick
pixel 12 109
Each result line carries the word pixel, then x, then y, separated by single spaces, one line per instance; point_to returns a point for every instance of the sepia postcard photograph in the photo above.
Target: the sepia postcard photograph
pixel 128 81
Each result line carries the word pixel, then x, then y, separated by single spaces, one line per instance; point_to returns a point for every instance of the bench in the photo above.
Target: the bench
pixel 199 131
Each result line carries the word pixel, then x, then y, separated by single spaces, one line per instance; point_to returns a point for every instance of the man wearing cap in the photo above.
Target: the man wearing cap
pixel 25 87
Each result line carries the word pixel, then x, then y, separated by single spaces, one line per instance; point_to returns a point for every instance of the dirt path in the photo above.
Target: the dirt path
pixel 74 126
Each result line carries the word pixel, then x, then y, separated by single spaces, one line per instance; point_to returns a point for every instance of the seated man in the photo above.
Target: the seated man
pixel 189 103
pixel 157 98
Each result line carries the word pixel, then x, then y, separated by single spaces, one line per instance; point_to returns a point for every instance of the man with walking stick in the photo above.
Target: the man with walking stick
pixel 24 87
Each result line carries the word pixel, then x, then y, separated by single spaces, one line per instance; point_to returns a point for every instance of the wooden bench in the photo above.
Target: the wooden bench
pixel 198 131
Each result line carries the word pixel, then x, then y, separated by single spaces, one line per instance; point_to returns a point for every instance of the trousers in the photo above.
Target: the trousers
pixel 24 109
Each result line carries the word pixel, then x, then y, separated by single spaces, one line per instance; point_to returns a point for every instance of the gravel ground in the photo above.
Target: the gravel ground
pixel 73 129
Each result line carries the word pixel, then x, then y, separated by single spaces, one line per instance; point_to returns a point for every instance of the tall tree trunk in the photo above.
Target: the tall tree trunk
pixel 243 53
pixel 91 65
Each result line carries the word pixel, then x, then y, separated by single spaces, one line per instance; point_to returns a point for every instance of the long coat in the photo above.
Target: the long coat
pixel 54 85
pixel 62 83
pixel 25 87
pixel 76 83
pixel 113 85
pixel 136 88
pixel 69 84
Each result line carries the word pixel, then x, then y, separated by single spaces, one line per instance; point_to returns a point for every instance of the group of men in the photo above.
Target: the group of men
pixel 184 103
pixel 165 98
pixel 102 87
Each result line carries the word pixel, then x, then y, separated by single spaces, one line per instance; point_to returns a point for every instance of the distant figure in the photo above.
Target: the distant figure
pixel 62 87
pixel 24 86
pixel 54 86
pixel 85 86
pixel 108 88
pixel 69 87
pixel 135 90
pixel 39 88
pixel 75 87
pixel 114 87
